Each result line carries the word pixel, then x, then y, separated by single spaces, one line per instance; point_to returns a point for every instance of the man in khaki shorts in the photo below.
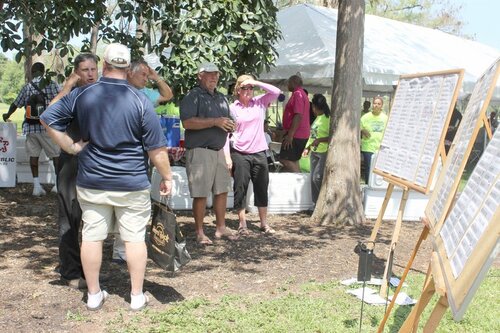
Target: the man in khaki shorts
pixel 205 116
pixel 36 137
pixel 112 175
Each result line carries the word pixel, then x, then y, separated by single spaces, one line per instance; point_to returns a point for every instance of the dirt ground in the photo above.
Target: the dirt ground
pixel 33 299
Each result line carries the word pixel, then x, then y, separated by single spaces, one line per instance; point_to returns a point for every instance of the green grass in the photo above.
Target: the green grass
pixel 77 316
pixel 315 307
pixel 17 117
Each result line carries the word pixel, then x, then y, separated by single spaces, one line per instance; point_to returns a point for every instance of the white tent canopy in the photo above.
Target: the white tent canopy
pixel 391 49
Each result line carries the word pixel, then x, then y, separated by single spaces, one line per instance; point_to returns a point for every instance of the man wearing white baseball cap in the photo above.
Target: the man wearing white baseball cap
pixel 118 125
pixel 117 55
pixel 205 116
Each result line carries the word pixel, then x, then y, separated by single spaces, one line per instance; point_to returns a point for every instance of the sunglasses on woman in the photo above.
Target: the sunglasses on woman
pixel 246 88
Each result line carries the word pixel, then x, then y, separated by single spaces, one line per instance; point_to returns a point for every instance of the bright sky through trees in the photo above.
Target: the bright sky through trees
pixel 482 20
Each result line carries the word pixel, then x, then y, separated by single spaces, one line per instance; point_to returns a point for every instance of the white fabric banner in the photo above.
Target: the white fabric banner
pixel 8 154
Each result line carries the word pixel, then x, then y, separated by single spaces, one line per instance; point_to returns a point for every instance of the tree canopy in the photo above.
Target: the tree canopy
pixel 436 14
pixel 237 35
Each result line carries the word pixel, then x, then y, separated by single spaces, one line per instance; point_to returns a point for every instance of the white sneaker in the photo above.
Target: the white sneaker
pixel 95 302
pixel 38 191
pixel 137 303
pixel 54 189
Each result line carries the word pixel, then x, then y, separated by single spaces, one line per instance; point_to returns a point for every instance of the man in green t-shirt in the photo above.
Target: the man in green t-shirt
pixel 372 130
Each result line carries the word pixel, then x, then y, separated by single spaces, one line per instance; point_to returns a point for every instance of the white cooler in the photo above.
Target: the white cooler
pixel 288 193
pixel 180 198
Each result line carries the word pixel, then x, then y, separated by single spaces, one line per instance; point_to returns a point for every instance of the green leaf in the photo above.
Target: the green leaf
pixel 63 52
pixel 214 7
pixel 259 37
pixel 11 26
pixel 18 56
pixel 246 26
pixel 196 14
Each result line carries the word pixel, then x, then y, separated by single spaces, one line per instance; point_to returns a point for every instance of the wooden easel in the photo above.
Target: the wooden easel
pixel 394 240
pixel 456 288
pixel 380 216
pixel 414 171
pixel 434 284
pixel 423 236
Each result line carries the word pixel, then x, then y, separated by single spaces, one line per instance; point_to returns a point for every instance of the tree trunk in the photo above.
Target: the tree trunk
pixel 93 38
pixel 339 201
pixel 29 58
pixel 140 35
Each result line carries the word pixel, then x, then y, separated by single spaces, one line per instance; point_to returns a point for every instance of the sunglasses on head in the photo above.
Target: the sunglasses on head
pixel 246 88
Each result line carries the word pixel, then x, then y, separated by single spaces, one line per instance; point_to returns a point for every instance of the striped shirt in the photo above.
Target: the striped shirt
pixel 22 100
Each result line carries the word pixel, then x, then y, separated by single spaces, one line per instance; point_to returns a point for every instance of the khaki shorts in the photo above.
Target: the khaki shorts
pixel 207 172
pixel 131 209
pixel 35 142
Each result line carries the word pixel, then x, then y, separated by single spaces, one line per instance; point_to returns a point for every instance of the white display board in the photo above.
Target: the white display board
pixel 8 154
pixel 468 240
pixel 415 130
pixel 472 120
pixel 474 209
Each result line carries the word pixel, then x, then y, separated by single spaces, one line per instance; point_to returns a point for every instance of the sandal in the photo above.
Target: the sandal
pixel 204 241
pixel 228 235
pixel 243 231
pixel 267 230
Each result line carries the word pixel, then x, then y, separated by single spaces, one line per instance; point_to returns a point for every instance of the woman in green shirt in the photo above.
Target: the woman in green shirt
pixel 372 130
pixel 317 144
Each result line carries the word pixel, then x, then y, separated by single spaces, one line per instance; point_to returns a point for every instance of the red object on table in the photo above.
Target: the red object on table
pixel 176 153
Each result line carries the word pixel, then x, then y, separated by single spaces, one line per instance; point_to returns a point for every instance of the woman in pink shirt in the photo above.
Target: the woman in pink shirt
pixel 248 147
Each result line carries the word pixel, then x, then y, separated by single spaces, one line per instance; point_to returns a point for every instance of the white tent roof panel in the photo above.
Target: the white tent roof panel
pixel 391 49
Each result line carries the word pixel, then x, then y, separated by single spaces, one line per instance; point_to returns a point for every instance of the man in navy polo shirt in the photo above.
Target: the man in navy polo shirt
pixel 118 126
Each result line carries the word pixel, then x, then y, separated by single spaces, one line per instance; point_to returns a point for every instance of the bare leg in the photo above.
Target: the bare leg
pixel 264 227
pixel 242 218
pixel 91 254
pixel 199 205
pixel 220 203
pixel 34 166
pixel 263 216
pixel 136 261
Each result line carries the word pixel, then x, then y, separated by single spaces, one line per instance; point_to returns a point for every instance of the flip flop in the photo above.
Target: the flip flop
pixel 243 231
pixel 267 230
pixel 204 241
pixel 228 234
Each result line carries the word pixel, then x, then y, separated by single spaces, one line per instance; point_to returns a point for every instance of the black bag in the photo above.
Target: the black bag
pixel 166 244
pixel 36 104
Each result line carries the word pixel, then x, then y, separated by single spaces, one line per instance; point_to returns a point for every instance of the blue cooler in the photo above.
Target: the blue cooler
pixel 171 126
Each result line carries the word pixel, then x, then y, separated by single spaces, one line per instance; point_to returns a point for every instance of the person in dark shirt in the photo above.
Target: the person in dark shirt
pixel 70 213
pixel 456 118
pixel 493 121
pixel 205 116
pixel 118 126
